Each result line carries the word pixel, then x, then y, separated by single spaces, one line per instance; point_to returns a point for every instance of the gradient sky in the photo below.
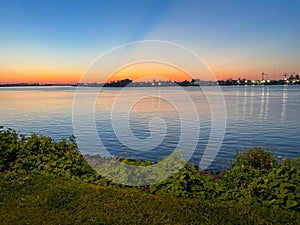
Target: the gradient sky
pixel 56 41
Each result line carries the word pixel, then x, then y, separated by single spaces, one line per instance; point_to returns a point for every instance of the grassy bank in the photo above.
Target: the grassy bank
pixel 48 182
pixel 53 200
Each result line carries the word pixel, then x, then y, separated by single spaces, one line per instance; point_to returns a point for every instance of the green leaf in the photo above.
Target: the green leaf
pixel 291 203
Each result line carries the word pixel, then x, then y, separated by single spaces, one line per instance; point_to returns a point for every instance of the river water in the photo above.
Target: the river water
pixel 147 123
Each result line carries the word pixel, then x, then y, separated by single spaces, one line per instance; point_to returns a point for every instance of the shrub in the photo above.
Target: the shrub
pixel 22 157
pixel 254 158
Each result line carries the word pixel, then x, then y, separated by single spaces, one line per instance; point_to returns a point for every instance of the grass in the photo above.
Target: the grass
pixel 54 200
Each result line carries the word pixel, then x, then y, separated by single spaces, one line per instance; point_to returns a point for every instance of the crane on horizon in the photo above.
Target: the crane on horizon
pixel 263 74
pixel 284 75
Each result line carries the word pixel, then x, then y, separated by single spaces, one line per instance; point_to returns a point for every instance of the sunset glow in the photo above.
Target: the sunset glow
pixel 150 71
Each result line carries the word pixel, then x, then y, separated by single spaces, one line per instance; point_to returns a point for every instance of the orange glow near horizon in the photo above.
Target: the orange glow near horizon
pixel 149 71
pixel 135 72
pixel 146 71
pixel 40 76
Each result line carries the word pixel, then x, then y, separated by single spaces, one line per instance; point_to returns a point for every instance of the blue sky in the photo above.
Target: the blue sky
pixel 42 39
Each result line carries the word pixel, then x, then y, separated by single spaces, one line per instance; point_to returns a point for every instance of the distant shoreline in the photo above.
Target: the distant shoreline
pixel 159 84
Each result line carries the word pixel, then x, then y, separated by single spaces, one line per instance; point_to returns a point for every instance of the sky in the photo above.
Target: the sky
pixel 57 41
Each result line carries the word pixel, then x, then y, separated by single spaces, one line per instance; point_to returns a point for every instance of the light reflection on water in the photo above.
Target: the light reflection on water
pixel 264 116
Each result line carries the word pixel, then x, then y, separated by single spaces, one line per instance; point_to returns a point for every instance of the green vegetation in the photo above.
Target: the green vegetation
pixel 53 200
pixel 48 182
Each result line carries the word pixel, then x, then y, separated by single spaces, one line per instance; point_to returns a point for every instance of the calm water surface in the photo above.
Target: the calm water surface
pixel 265 116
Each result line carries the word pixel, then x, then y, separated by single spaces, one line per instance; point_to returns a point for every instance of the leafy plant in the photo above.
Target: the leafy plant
pixel 254 158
